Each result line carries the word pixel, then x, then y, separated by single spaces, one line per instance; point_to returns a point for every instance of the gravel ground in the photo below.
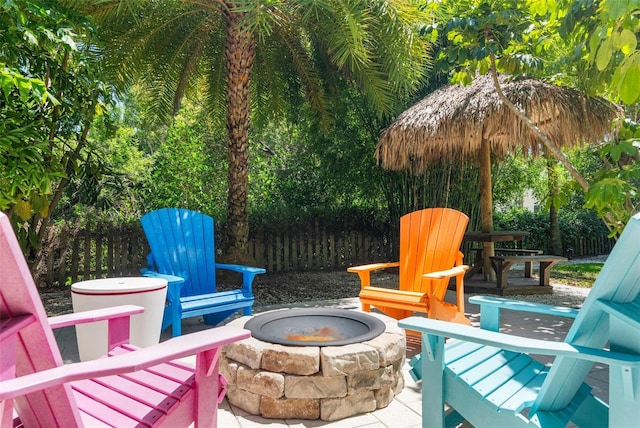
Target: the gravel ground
pixel 563 295
pixel 269 289
pixel 295 287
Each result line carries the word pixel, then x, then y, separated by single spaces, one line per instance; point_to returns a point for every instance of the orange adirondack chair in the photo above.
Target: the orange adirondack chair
pixel 132 387
pixel 430 256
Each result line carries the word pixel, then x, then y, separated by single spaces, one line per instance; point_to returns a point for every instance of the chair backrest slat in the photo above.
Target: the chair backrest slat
pixel 430 241
pixel 183 244
pixel 618 281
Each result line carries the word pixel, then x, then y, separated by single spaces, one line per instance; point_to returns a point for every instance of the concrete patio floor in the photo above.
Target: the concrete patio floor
pixel 405 410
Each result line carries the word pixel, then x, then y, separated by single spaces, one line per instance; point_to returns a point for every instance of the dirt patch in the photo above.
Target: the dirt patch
pixel 295 287
pixel 285 288
pixel 269 289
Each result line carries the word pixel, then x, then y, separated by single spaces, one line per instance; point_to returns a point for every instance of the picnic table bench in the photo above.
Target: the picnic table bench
pixel 477 265
pixel 502 264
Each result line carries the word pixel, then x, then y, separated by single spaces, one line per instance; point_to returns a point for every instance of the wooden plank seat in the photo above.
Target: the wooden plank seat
pixel 223 301
pixel 502 264
pixel 146 397
pixel 410 300
pixel 133 387
pixel 503 252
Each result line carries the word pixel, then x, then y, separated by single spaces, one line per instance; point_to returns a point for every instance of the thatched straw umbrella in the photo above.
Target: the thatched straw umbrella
pixel 462 122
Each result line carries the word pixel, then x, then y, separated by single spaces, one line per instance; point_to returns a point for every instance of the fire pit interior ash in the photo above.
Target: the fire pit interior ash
pixel 315 327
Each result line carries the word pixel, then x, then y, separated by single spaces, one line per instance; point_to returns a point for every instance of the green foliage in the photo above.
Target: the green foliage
pixel 574 224
pixel 592 45
pixel 301 169
pixel 25 181
pixel 28 89
pixel 615 188
pixel 470 31
pixel 515 174
pixel 290 50
pixel 51 94
pixel 304 167
pixel 189 166
pixel 313 133
pixel 112 178
pixel 302 49
pixel 606 45
pixel 611 169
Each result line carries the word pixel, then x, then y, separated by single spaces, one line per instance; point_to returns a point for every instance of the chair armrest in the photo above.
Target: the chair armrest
pixel 519 305
pixel 94 315
pixel 364 271
pixel 490 308
pixel 117 318
pixel 248 273
pixel 372 267
pixel 509 342
pixel 240 268
pixel 449 273
pixel 150 273
pixel 440 287
pixel 174 284
pixel 177 347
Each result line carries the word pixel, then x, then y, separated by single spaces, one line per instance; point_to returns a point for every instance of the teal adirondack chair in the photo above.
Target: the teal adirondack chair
pixel 490 379
pixel 183 251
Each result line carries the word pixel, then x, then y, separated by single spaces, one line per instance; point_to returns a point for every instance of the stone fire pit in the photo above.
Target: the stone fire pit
pixel 314 382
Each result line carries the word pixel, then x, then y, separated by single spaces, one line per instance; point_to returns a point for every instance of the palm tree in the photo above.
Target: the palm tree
pixel 247 53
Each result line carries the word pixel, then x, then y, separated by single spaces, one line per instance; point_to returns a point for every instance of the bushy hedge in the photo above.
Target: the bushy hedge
pixel 573 226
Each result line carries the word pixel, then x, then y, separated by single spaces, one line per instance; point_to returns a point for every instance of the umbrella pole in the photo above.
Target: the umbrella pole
pixel 486 208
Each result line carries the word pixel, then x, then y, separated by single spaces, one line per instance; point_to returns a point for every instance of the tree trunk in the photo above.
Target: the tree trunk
pixel 486 208
pixel 240 52
pixel 555 242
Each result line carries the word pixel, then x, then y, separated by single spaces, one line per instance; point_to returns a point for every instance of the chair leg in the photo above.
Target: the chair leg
pixel 416 368
pixel 433 388
pixel 208 381
pixel 545 272
pixel 172 318
pixel 6 413
pixel 528 269
pixel 176 323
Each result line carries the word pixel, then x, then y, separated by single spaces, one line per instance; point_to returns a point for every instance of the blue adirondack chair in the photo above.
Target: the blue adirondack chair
pixel 183 251
pixel 489 378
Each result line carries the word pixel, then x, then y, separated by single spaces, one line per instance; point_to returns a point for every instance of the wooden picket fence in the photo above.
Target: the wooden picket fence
pixel 319 248
pixel 71 255
pixel 591 246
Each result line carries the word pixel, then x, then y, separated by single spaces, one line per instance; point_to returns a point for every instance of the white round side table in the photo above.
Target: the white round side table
pixel 149 293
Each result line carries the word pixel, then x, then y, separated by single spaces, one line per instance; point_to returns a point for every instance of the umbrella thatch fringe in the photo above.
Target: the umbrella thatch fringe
pixel 452 122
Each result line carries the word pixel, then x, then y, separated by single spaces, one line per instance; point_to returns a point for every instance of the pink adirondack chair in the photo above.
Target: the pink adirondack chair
pixel 131 387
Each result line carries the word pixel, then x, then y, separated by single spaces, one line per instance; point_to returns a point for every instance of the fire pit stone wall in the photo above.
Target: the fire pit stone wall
pixel 311 382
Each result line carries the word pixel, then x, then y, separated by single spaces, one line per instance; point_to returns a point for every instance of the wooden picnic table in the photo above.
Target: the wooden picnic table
pixel 482 262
